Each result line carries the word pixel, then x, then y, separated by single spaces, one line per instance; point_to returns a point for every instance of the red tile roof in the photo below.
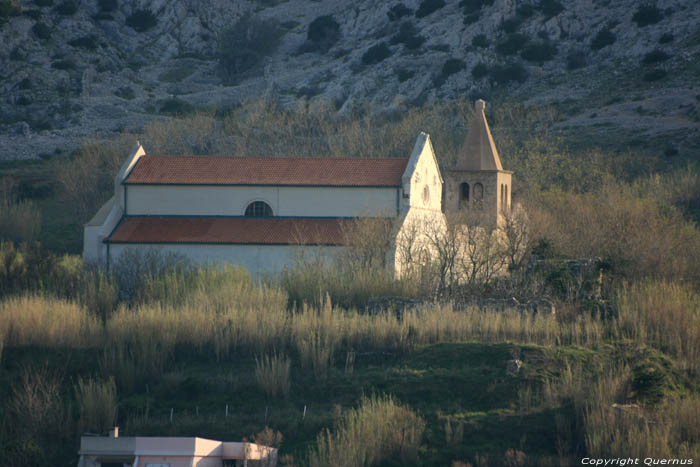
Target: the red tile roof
pixel 230 230
pixel 221 170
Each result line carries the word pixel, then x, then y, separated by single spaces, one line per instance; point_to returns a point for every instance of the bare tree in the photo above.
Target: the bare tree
pixel 516 231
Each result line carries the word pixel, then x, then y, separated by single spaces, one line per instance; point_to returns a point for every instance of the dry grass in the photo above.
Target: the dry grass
pixel 664 315
pixel 377 430
pixel 47 322
pixel 272 373
pixel 97 402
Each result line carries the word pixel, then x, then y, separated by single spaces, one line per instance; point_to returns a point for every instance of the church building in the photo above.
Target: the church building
pixel 260 211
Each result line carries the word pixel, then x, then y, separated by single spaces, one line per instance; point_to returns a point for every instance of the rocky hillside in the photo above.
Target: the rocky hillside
pixel 621 71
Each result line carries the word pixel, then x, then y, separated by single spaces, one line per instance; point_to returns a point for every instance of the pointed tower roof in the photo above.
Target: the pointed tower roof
pixel 479 151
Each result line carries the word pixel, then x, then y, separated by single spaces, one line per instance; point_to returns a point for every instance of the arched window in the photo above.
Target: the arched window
pixel 464 192
pixel 478 191
pixel 258 209
pixel 503 199
pixel 506 197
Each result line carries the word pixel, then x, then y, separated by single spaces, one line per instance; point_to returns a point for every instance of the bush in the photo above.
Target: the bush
pixel 655 56
pixel 480 70
pixel 97 402
pixel 655 75
pixel 647 14
pixel 376 54
pixel 525 10
pixel 408 36
pixel 175 106
pixel 511 25
pixel 107 6
pixel 429 6
pixel 576 59
pixel 474 6
pixel 539 52
pixel 550 8
pixel 42 31
pixel 404 74
pixel 604 38
pixel 450 67
pixel 512 44
pixel 33 14
pixel 125 92
pixel 480 40
pixel 398 11
pixel 666 38
pixel 243 46
pixel 324 31
pixel 8 8
pixel 43 3
pixel 141 20
pixel 85 42
pixel 503 74
pixel 67 8
pixel 66 64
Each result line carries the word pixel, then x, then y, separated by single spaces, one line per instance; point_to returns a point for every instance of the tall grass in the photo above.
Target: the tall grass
pixel 379 429
pixel 664 315
pixel 97 402
pixel 47 322
pixel 272 373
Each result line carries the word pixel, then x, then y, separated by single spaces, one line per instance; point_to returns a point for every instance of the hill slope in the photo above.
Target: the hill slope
pixel 616 71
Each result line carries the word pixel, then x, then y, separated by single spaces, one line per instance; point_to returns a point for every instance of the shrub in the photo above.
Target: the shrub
pixel 452 66
pixel 655 75
pixel 376 54
pixel 512 44
pixel 243 46
pixel 398 11
pixel 480 40
pixel 550 8
pixel 42 31
pixel 503 74
pixel 655 56
pixel 141 20
pixel 404 74
pixel 427 7
pixel 575 59
pixel 66 64
pixel 20 221
pixel 647 14
pixel 67 8
pixel 408 36
pixel 33 14
pixel 604 38
pixel 324 31
pixel 107 6
pixel 125 92
pixel 480 70
pixel 474 6
pixel 43 3
pixel 511 25
pixel 666 38
pixel 525 10
pixel 8 8
pixel 85 42
pixel 539 52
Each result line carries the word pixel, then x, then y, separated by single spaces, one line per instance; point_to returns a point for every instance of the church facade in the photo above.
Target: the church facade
pixel 260 212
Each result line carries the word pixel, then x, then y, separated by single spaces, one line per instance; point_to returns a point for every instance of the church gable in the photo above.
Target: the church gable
pixel 421 181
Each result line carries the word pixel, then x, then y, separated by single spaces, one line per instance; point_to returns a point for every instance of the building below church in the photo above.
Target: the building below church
pixel 260 212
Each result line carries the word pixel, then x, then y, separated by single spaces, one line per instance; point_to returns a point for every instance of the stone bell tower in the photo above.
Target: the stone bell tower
pixel 478 180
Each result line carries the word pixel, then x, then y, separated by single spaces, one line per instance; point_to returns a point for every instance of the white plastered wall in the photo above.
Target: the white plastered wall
pixel 284 201
pixel 258 259
pixel 421 211
pixel 108 216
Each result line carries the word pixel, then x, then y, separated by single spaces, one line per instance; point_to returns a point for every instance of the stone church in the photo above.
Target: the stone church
pixel 260 211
